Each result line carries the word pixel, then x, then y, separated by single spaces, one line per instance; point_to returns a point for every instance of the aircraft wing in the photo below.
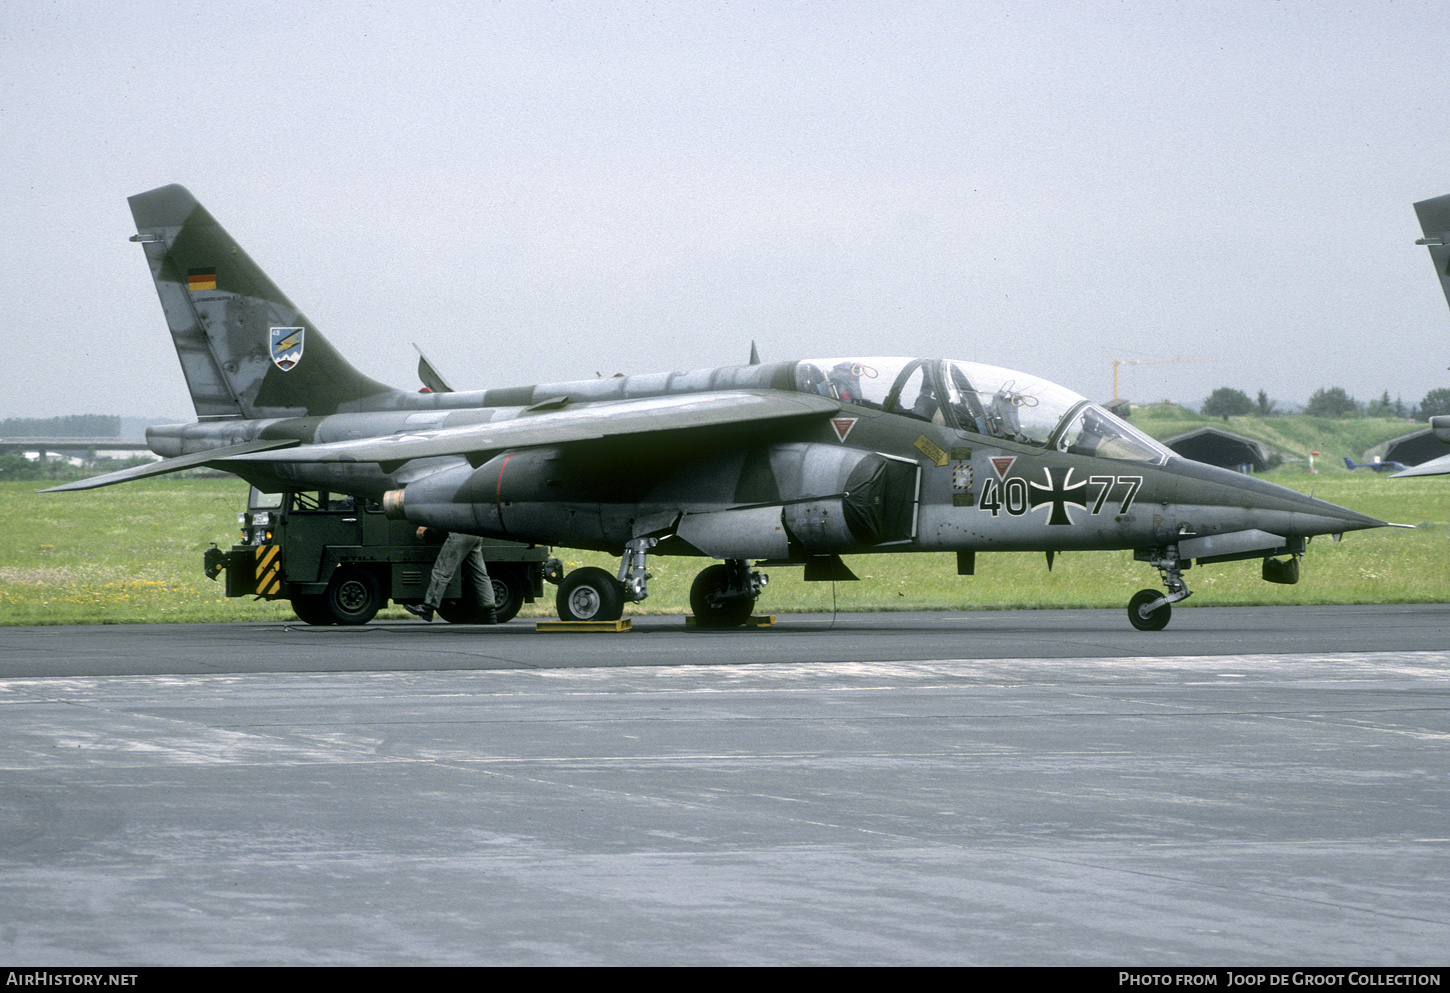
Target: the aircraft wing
pixel 1435 467
pixel 555 422
pixel 171 465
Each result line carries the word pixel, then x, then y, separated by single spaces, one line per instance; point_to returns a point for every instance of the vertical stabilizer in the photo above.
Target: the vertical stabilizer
pixel 245 349
pixel 1435 222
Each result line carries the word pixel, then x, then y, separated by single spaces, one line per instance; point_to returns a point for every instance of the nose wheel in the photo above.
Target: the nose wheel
pixel 1150 610
pixel 1144 616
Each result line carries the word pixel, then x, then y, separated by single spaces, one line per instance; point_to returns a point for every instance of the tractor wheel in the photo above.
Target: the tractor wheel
pixel 312 608
pixel 353 596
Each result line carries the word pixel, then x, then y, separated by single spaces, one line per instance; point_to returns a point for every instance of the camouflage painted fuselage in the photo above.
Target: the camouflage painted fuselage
pixel 788 460
pixel 765 490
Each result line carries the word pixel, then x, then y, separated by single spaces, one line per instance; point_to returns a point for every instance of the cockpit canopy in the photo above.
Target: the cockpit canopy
pixel 980 399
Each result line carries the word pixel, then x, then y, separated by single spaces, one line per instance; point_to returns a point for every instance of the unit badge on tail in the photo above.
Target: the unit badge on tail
pixel 286 347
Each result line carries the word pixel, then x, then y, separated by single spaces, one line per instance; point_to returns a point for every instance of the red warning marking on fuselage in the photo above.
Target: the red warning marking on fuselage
pixel 1002 464
pixel 843 426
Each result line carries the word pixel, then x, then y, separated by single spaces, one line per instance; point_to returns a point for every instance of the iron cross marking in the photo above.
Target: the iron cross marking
pixel 1060 492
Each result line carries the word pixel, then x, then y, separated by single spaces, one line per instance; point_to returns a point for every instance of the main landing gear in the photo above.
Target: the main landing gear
pixel 1150 610
pixel 590 594
pixel 723 595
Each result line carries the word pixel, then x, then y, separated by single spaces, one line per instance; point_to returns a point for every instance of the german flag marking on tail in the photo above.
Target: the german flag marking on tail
pixel 201 279
pixel 269 571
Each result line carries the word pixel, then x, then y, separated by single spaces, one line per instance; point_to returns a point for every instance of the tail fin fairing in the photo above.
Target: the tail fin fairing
pixel 431 378
pixel 245 349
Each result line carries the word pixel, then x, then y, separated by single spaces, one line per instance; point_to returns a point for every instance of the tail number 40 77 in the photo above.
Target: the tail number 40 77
pixel 1017 496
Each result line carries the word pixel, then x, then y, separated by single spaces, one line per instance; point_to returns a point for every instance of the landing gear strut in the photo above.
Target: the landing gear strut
pixel 632 574
pixel 591 594
pixel 1150 610
pixel 722 596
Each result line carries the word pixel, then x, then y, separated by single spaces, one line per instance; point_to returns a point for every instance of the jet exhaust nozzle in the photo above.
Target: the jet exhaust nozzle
pixel 393 505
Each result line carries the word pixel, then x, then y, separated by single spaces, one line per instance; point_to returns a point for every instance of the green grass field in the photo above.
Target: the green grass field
pixel 132 554
pixel 1297 436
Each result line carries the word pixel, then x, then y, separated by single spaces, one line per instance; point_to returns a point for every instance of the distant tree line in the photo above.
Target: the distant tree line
pixel 1436 402
pixel 1227 402
pixel 70 426
pixel 18 468
pixel 1330 401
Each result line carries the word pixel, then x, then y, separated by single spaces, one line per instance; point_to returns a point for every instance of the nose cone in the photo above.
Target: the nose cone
pixel 1232 499
pixel 1323 517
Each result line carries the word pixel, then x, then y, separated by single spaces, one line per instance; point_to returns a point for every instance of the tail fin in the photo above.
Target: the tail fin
pixel 245 349
pixel 1435 222
pixel 1349 463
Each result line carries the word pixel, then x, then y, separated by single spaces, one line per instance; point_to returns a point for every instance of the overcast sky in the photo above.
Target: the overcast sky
pixel 537 192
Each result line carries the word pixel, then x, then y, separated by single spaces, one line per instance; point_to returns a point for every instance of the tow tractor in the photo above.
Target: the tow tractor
pixel 339 560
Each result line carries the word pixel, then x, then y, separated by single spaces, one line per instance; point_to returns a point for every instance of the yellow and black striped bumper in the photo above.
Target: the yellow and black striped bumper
pixel 269 570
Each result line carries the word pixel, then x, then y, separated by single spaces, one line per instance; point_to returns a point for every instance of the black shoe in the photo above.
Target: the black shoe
pixel 490 615
pixel 419 610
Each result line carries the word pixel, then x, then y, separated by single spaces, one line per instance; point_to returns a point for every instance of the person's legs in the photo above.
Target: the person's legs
pixel 477 584
pixel 449 556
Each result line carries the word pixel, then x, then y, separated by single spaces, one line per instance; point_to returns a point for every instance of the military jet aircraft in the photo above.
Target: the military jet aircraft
pixel 1434 218
pixel 1376 466
pixel 772 463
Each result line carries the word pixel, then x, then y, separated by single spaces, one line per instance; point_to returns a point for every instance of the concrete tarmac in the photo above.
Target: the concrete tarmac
pixel 1250 787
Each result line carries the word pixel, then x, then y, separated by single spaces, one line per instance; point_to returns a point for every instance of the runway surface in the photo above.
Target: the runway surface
pixel 1249 787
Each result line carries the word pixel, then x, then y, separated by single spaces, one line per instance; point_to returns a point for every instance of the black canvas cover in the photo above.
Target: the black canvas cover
pixel 880 501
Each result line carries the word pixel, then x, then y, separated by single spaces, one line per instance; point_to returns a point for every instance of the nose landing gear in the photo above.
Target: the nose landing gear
pixel 1150 610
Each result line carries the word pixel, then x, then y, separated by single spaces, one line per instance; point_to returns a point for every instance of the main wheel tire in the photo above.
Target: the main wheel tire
pixel 354 596
pixel 590 594
pixel 712 609
pixel 312 608
pixel 1157 620
pixel 508 597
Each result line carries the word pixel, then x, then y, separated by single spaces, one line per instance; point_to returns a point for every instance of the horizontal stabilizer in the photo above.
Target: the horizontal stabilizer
pixel 165 466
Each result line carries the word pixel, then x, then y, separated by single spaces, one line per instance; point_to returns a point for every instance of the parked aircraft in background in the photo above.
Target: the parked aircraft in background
pixel 1434 218
pixel 1377 466
pixel 766 464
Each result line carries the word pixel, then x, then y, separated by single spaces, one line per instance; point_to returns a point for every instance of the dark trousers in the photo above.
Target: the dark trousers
pixel 461 549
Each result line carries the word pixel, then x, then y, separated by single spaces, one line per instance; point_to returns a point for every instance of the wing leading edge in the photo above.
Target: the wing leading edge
pixel 211 458
pixel 595 422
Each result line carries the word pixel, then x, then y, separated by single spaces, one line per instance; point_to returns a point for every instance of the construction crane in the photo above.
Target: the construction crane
pixel 1177 358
